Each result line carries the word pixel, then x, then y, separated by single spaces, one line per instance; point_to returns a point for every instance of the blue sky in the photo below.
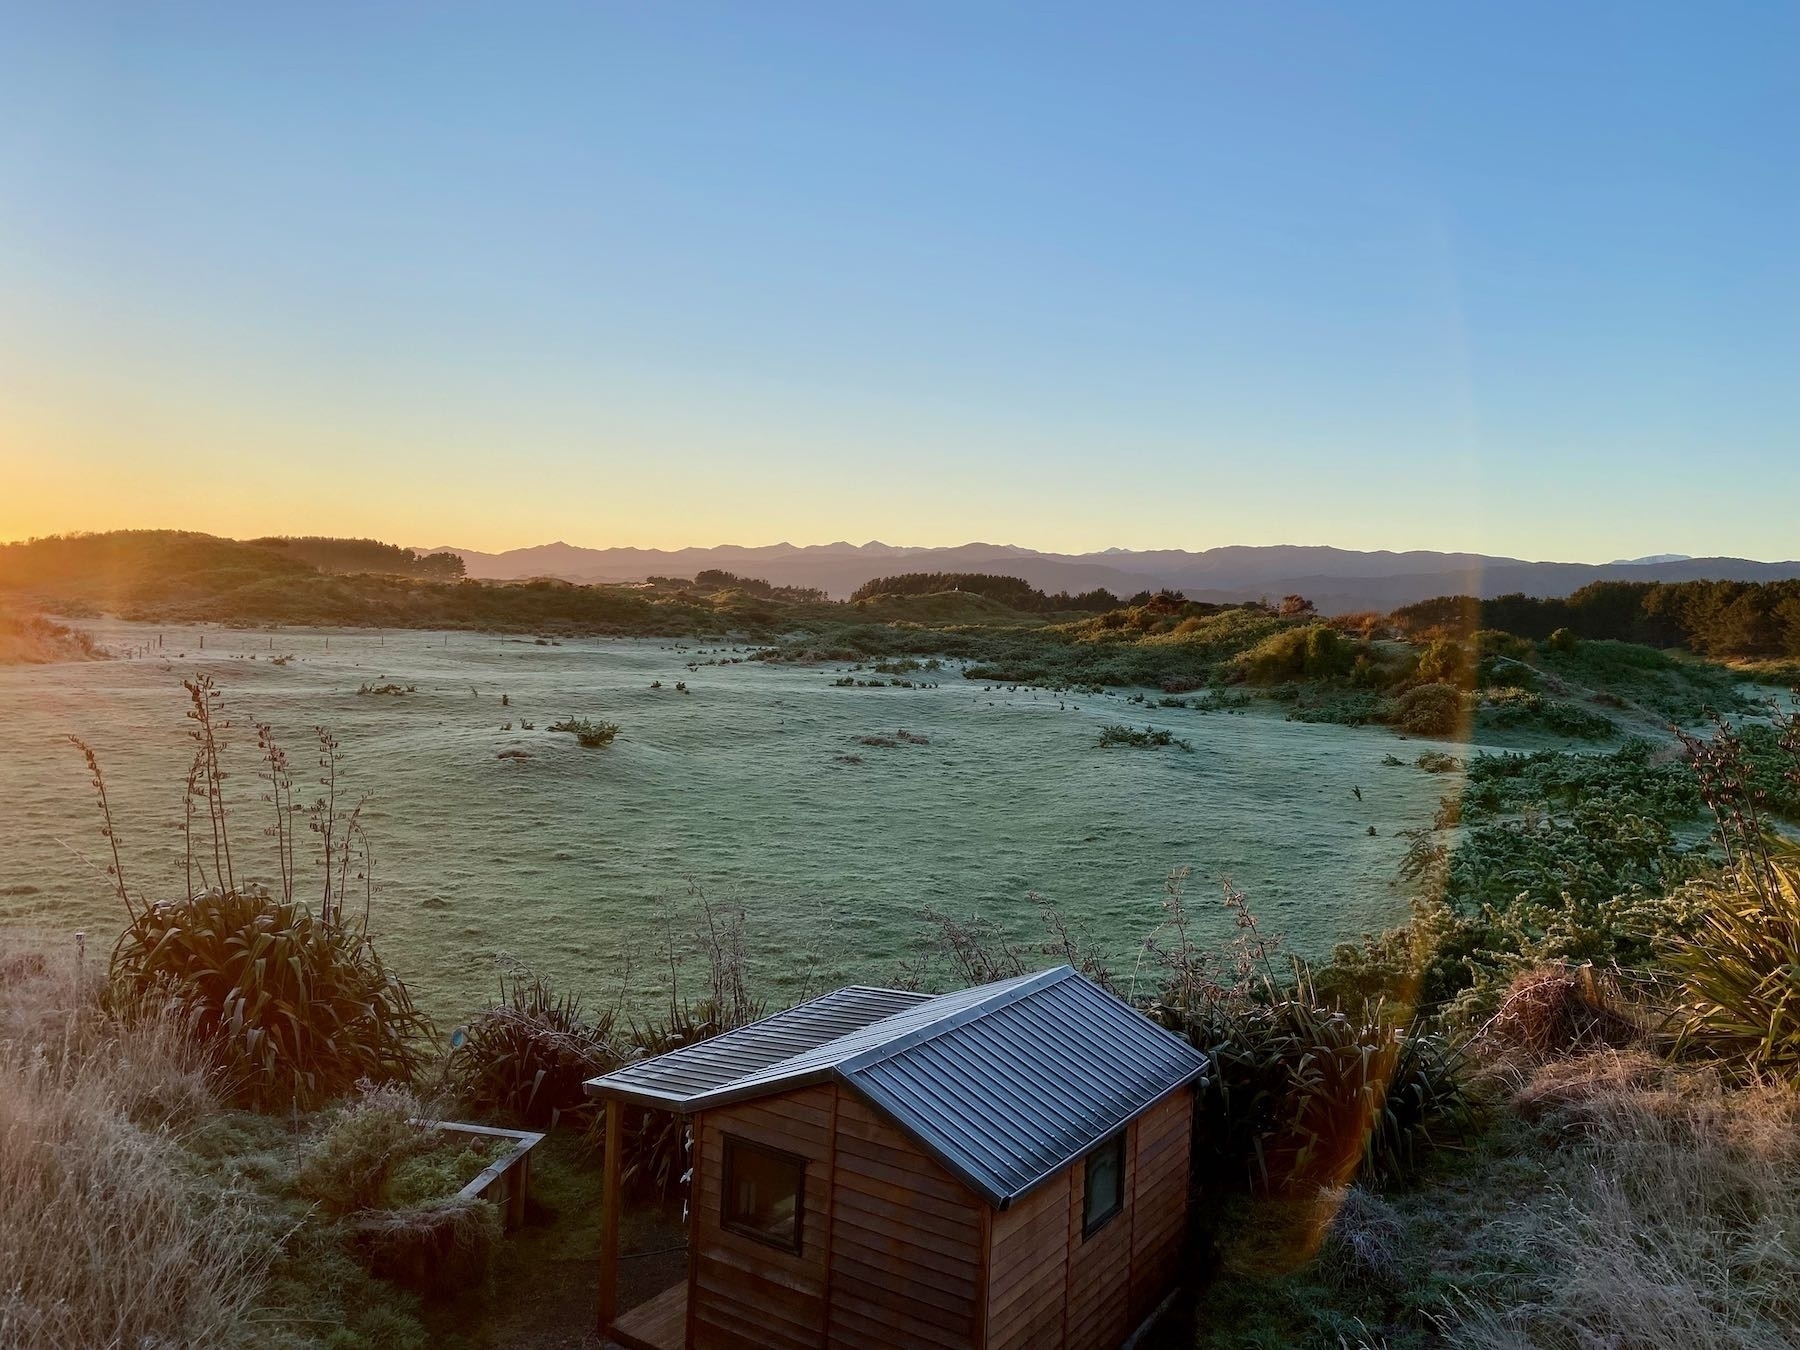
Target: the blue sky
pixel 1519 278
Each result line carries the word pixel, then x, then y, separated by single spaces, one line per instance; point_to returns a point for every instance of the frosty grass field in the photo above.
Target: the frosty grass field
pixel 582 863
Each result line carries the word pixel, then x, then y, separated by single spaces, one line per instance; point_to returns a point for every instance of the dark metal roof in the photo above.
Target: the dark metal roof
pixel 674 1080
pixel 1004 1084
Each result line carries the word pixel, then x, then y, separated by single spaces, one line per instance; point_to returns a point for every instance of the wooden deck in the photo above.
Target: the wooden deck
pixel 660 1324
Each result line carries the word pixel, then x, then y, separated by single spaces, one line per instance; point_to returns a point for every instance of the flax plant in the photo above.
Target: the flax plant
pixel 293 1004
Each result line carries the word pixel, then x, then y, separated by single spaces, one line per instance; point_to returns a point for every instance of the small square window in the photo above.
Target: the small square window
pixel 763 1193
pixel 1103 1195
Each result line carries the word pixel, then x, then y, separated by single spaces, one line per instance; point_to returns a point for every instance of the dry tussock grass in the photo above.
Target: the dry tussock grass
pixel 1555 1011
pixel 105 1240
pixel 1674 1220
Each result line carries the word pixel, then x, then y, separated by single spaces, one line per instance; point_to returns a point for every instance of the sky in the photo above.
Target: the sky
pixel 1520 278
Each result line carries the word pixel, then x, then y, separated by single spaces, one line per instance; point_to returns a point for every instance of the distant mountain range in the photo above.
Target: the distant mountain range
pixel 1336 580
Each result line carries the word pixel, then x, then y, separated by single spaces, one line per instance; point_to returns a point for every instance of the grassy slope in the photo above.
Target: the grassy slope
pixel 1610 1200
pixel 181 577
pixel 30 639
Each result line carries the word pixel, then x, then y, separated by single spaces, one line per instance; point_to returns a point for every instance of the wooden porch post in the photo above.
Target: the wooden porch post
pixel 609 1218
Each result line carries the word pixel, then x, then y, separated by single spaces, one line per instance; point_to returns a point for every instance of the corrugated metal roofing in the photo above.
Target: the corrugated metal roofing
pixel 674 1079
pixel 1004 1084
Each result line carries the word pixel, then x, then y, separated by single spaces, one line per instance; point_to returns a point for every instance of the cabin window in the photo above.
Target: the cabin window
pixel 764 1193
pixel 1104 1193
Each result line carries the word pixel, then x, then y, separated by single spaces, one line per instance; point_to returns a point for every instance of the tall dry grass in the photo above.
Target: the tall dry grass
pixel 106 1239
pixel 1674 1219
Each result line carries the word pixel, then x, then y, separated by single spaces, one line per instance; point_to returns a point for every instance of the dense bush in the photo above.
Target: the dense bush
pixel 1519 893
pixel 717 578
pixel 1316 652
pixel 1636 779
pixel 167 575
pixel 1430 710
pixel 365 555
pixel 1445 661
pixel 1013 592
pixel 1494 644
pixel 1563 858
pixel 1572 858
pixel 1712 618
pixel 1771 756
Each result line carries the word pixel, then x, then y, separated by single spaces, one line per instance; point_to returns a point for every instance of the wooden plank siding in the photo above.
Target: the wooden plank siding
pixel 1028 1269
pixel 1099 1297
pixel 906 1240
pixel 1049 1286
pixel 746 1292
pixel 1159 1215
pixel 899 1253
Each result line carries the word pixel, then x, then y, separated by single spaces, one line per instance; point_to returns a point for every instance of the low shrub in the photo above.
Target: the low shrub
pixel 1339 706
pixel 1561 1010
pixel 439 1247
pixel 1601 885
pixel 353 1163
pixel 527 1056
pixel 1515 707
pixel 1636 779
pixel 1771 756
pixel 588 734
pixel 1150 738
pixel 1491 643
pixel 1445 661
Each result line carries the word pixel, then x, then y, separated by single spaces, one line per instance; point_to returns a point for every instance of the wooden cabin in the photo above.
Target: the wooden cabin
pixel 1006 1166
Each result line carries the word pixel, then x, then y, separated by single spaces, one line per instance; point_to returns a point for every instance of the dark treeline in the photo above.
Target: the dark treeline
pixel 711 579
pixel 1013 592
pixel 718 578
pixel 1712 618
pixel 350 556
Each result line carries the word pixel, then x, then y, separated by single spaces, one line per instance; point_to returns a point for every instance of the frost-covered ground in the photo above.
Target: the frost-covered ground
pixel 580 862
